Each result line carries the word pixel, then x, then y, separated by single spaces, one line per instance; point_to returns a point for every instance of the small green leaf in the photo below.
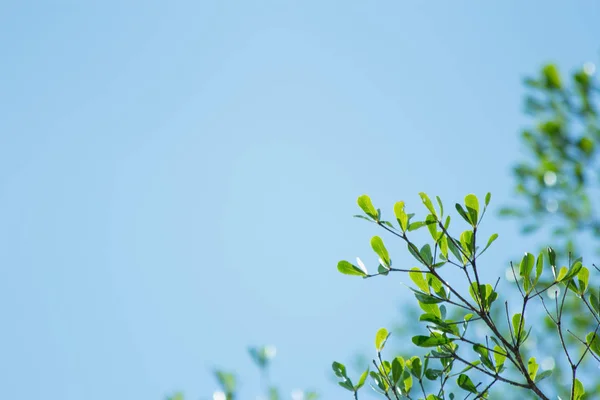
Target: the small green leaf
pixel 347 268
pixel 465 383
pixel 551 76
pixel 532 368
pixel 431 223
pixel 488 197
pixel 362 379
pixel 583 276
pixel 539 267
pixel 593 341
pixel 380 338
pixel 518 326
pixel 339 369
pixel 466 241
pixel 484 356
pixel 418 279
pixel 578 390
pixel 552 256
pixel 433 374
pixel 347 384
pixel 397 369
pixel 426 255
pixel 561 274
pixel 462 212
pixel 444 246
pixel 413 226
pixel 573 271
pixel 499 357
pixel 543 375
pixel 401 216
pixel 428 203
pixel 595 301
pixel 379 248
pixel 415 366
pixel 425 298
pixel 472 205
pixel 364 202
pixel 525 269
pixel 489 243
pixel 430 341
pixel 439 201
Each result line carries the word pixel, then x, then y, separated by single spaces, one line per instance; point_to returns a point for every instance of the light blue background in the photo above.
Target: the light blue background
pixel 177 179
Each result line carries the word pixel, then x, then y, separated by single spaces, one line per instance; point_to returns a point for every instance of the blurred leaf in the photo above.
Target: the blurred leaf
pixel 339 369
pixel 362 379
pixel 551 76
pixel 418 279
pixel 578 390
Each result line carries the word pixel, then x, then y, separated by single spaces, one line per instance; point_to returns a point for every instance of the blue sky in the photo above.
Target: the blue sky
pixel 177 181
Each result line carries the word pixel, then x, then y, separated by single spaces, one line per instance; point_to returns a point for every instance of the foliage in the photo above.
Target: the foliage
pixel 262 357
pixel 559 180
pixel 459 359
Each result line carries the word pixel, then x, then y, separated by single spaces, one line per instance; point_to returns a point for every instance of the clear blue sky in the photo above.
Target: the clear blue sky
pixel 177 179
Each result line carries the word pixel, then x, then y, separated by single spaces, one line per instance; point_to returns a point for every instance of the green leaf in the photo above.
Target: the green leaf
pixel 439 201
pixel 561 274
pixel 339 369
pixel 595 302
pixel 413 226
pixel 455 250
pixel 433 374
pixel 539 267
pixel 347 384
pixel 488 197
pixel 525 269
pixel 518 326
pixel 573 271
pixel 543 375
pixel 431 223
pixel 379 248
pixel 418 279
pixel 466 241
pixel 578 390
pixel 465 383
pixel 364 202
pixel 401 216
pixel 397 369
pixel 552 256
pixel 593 341
pixel 484 356
pixel 430 341
pixel 551 76
pixel 414 250
pixel 472 205
pixel 426 255
pixel 425 298
pixel 489 243
pixel 407 381
pixel 432 309
pixel 583 276
pixel 428 203
pixel 462 212
pixel 380 338
pixel 444 246
pixel 362 379
pixel 349 269
pixel 415 366
pixel 499 357
pixel 532 368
